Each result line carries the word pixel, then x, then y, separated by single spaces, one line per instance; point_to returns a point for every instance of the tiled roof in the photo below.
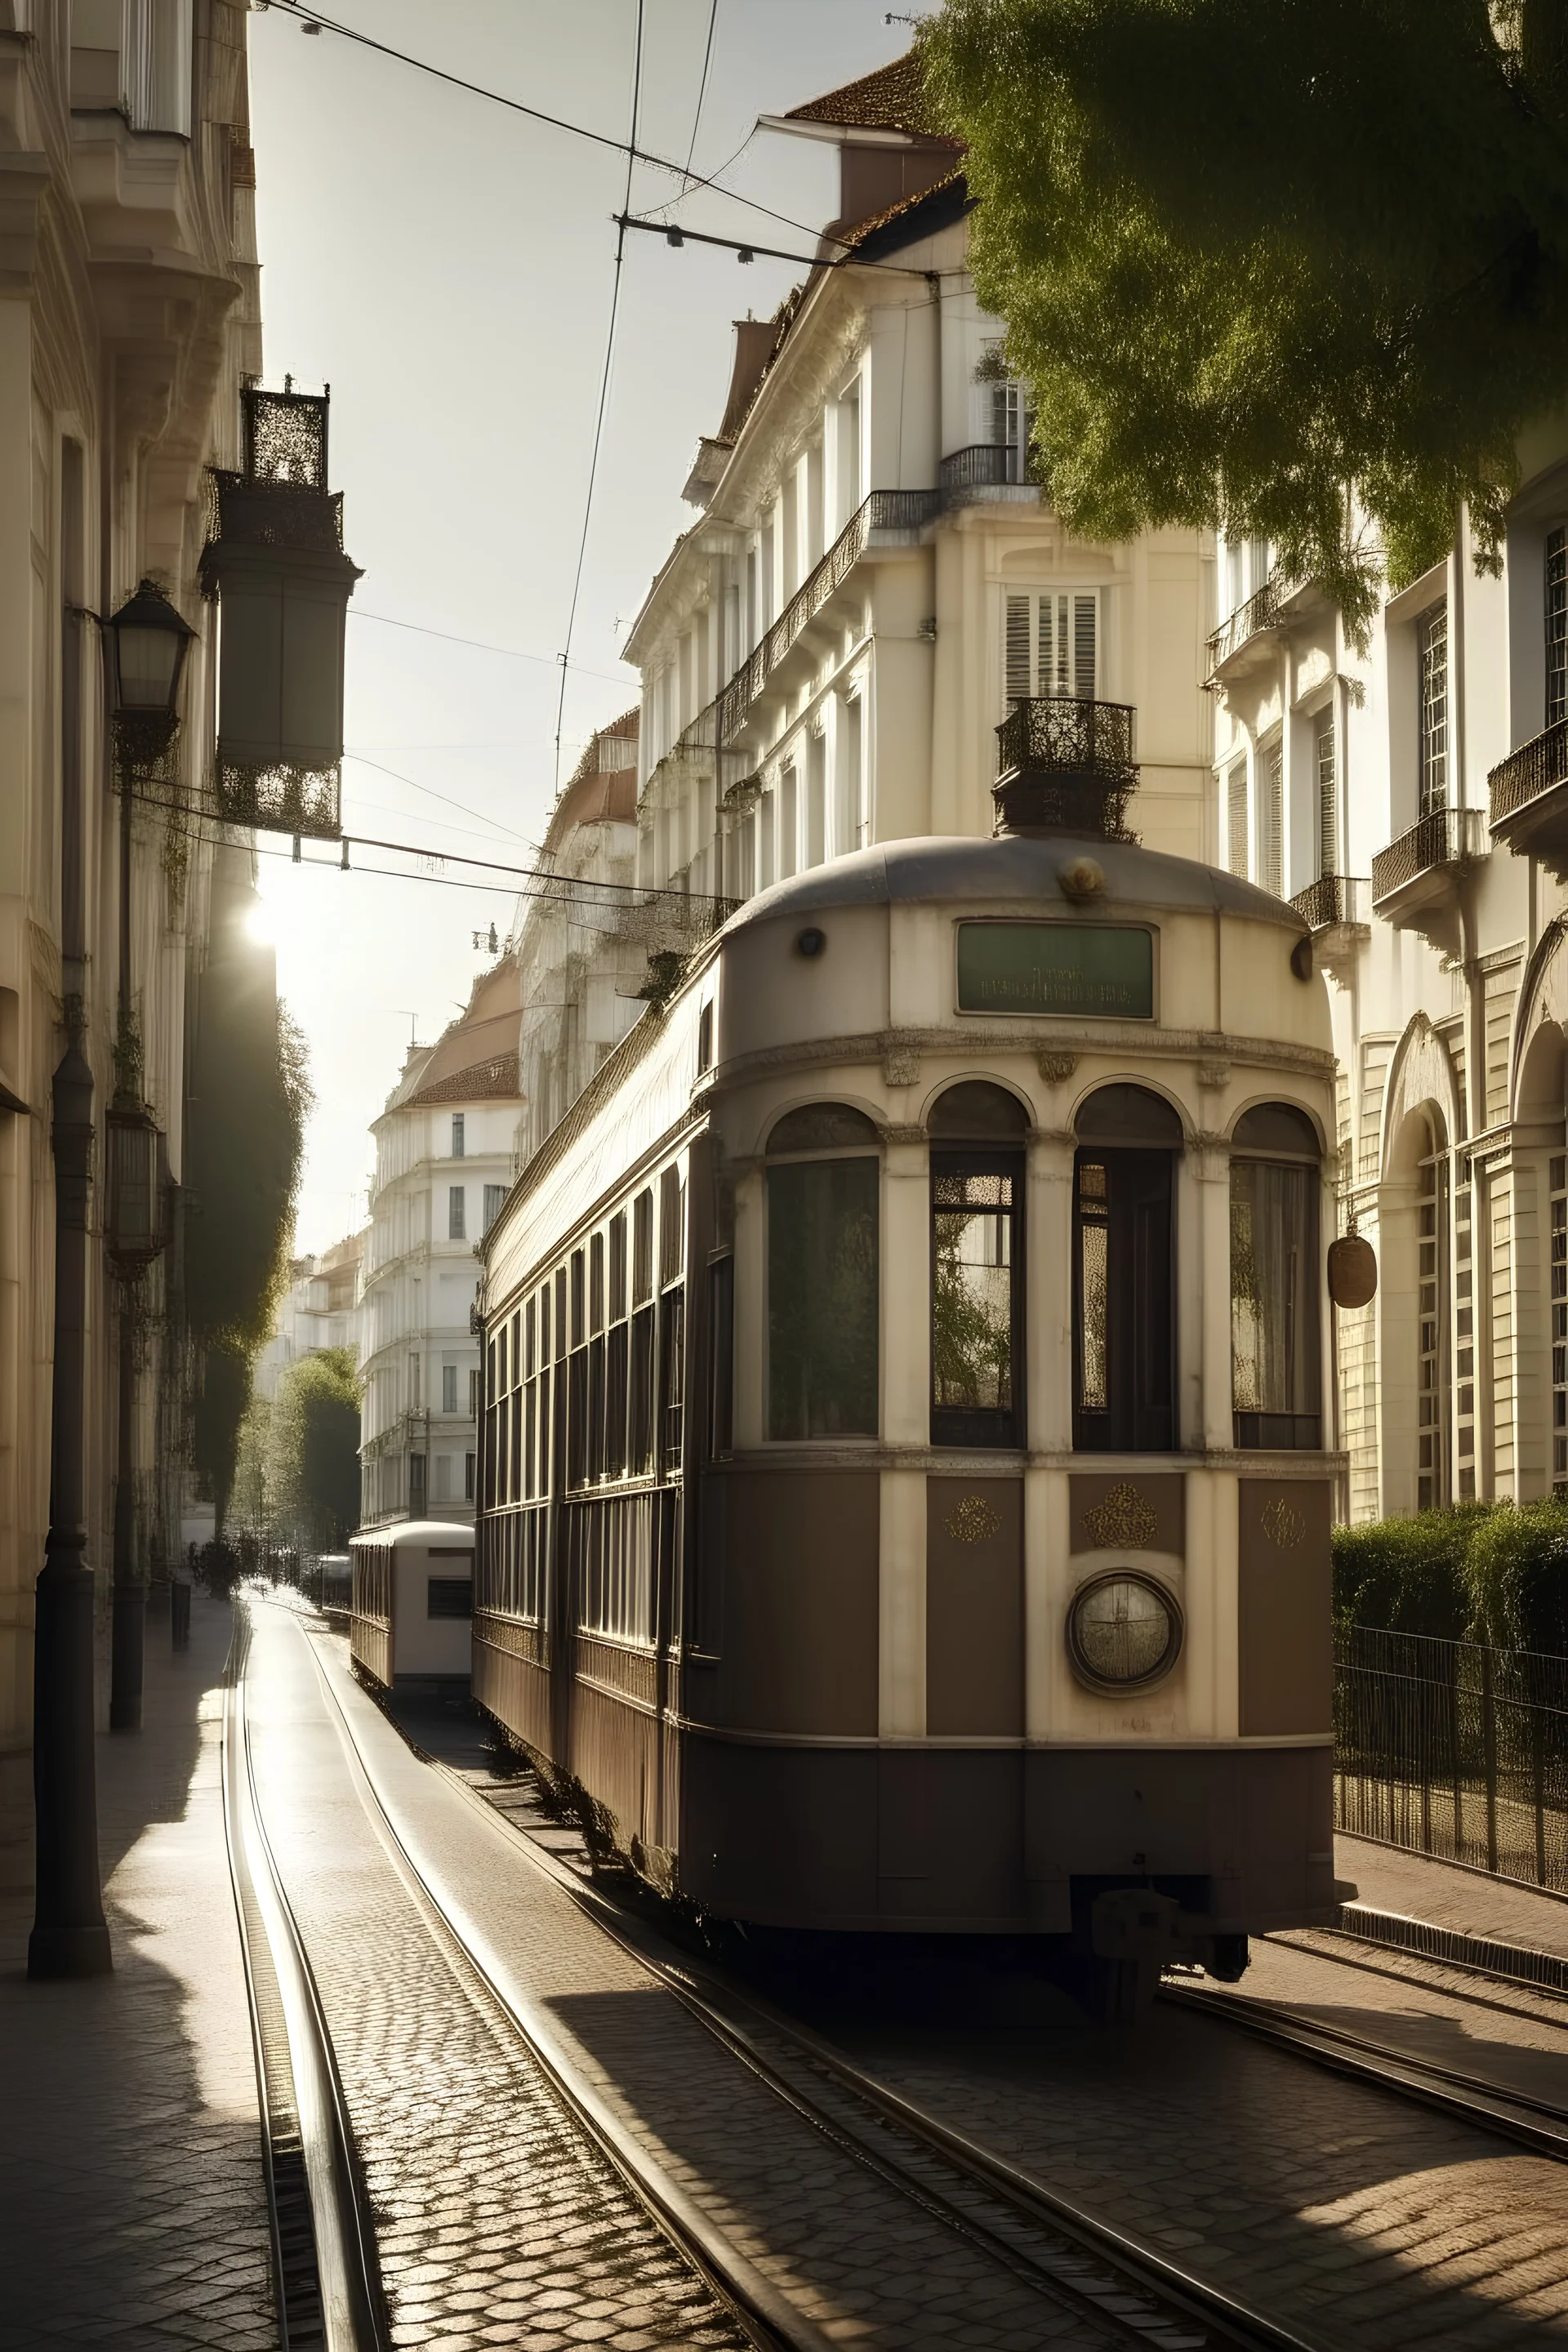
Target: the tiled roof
pixel 481 1082
pixel 892 98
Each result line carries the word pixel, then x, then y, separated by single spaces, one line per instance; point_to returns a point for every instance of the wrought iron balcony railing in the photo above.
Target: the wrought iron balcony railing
pixel 884 510
pixel 1260 611
pixel 1065 763
pixel 1446 839
pixel 984 465
pixel 1334 899
pixel 1526 773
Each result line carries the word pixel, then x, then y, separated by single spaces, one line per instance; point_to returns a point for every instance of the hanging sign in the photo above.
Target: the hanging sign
pixel 1102 972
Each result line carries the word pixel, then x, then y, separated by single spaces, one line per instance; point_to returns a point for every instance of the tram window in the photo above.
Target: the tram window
pixel 642 1248
pixel 577 1417
pixel 597 1283
pixel 720 1357
pixel 822 1127
pixel 822 1358
pixel 640 1415
pixel 1275 1375
pixel 596 1447
pixel 672 1378
pixel 578 1317
pixel 671 1227
pixel 976 1297
pixel 616 1304
pixel 529 1328
pixel 615 1402
pixel 560 1312
pixel 1123 1303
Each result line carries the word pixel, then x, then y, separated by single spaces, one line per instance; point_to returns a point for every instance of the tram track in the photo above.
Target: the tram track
pixel 1129 2291
pixel 326 2279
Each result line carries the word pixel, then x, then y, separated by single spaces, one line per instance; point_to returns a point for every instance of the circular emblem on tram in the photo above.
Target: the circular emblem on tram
pixel 1124 1632
pixel 972 1520
pixel 1283 1523
pixel 1124 1519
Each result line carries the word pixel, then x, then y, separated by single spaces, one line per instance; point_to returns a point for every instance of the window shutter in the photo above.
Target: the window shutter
pixel 1019 667
pixel 1236 819
pixel 1084 649
pixel 1270 796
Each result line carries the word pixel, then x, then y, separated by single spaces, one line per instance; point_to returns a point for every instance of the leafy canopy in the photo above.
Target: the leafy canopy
pixel 1254 252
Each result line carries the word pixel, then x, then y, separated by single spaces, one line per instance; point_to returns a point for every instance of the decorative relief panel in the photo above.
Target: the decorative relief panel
pixel 1122 1514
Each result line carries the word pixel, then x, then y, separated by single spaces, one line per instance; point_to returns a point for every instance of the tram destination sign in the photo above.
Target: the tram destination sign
pixel 1096 971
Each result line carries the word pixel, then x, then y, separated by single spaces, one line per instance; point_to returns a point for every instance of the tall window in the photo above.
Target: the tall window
pixel 789 823
pixel 976 1266
pixel 1274 1328
pixel 456 1135
pixel 1051 645
pixel 1124 1320
pixel 1327 796
pixel 457 1223
pixel 1432 1303
pixel 1556 628
pixel 1560 1325
pixel 448 1388
pixel 1465 1349
pixel 1236 819
pixel 1432 646
pixel 495 1200
pixel 823 1302
pixel 1270 817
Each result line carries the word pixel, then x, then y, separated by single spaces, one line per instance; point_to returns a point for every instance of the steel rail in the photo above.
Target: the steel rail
pixel 1469 2098
pixel 327 2277
pixel 1168 2302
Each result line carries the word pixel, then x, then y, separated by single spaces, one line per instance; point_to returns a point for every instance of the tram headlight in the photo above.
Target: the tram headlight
pixel 1124 1632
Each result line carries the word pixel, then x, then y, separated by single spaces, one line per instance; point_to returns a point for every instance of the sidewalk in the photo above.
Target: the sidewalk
pixel 132 2207
pixel 1390 1879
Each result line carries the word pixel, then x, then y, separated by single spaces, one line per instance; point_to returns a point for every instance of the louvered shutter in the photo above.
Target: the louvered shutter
pixel 1020 666
pixel 1236 819
pixel 1052 645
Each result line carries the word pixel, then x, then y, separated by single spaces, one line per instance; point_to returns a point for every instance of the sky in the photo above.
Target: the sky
pixel 446 266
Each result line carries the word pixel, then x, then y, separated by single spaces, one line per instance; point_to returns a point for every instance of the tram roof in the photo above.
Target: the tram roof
pixel 1014 868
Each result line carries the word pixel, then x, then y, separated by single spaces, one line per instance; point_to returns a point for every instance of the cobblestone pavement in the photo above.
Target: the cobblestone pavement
pixel 1389 1879
pixel 131 2182
pixel 496 2225
pixel 1357 2215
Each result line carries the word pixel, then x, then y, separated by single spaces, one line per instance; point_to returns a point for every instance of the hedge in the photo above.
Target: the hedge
pixel 1492 1572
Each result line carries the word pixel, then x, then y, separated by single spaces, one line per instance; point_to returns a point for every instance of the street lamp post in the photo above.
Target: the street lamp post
pixel 146 642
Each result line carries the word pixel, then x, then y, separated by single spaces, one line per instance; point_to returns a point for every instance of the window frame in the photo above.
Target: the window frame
pixel 819 1156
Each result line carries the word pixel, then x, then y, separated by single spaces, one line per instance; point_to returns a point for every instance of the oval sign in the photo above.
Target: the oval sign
pixel 1353 1271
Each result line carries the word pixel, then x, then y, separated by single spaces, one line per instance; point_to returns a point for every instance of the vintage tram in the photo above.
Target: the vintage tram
pixel 410 1605
pixel 906 1466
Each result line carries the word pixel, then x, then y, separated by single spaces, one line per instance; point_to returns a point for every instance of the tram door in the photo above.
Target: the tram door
pixel 1123 1316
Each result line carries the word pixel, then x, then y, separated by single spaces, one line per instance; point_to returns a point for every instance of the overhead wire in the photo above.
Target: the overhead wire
pixel 633 152
pixel 604 390
pixel 509 653
pixel 702 86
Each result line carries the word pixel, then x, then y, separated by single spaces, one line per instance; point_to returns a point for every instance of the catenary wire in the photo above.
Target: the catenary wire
pixel 702 86
pixel 604 390
pixel 509 653
pixel 633 152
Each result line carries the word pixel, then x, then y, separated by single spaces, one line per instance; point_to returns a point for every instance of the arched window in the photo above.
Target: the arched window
pixel 1276 1355
pixel 823 1304
pixel 1125 1314
pixel 977 1266
pixel 1433 1483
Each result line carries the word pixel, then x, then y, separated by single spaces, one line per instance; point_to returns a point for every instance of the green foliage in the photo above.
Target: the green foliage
pixel 245 1137
pixel 1517 1575
pixel 315 1450
pixel 1479 1572
pixel 1250 254
pixel 1407 1574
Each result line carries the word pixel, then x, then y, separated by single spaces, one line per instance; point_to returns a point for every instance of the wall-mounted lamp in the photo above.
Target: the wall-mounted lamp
pixel 147 641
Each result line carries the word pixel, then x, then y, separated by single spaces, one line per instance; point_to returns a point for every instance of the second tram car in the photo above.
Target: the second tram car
pixel 906 1465
pixel 411 1604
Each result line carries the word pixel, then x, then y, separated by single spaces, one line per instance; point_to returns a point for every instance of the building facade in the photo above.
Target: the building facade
pixel 318 1310
pixel 1412 799
pixel 128 322
pixel 445 1154
pixel 874 580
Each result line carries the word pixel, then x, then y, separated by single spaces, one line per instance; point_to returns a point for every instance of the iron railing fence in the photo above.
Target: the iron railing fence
pixel 1335 898
pixel 1446 837
pixel 1454 1749
pixel 984 465
pixel 1531 770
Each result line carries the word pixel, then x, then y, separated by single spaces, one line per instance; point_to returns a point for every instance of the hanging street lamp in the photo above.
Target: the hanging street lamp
pixel 147 641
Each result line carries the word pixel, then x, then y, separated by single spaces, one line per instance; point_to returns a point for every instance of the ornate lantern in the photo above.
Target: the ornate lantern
pixel 146 642
pixel 275 564
pixel 135 1228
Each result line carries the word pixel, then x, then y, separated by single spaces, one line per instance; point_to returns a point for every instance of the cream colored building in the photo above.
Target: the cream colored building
pixel 316 1311
pixel 872 579
pixel 445 1154
pixel 128 319
pixel 1413 802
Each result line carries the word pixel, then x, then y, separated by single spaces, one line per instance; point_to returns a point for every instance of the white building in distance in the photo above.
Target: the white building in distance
pixel 316 1311
pixel 445 1150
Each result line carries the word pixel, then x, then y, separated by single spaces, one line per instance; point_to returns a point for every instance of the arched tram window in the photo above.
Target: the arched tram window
pixel 1124 1319
pixel 823 1272
pixel 977 1267
pixel 1274 1326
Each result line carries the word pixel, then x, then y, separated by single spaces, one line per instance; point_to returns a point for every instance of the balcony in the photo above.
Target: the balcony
pixel 1065 765
pixel 1245 641
pixel 1337 909
pixel 987 471
pixel 1415 880
pixel 1529 800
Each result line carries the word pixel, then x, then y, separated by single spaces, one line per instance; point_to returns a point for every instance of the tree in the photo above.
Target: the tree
pixel 314 1450
pixel 1252 257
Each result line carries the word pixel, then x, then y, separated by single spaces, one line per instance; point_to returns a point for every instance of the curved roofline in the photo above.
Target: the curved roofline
pixel 1014 868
